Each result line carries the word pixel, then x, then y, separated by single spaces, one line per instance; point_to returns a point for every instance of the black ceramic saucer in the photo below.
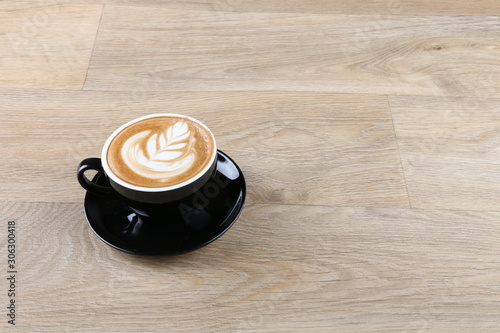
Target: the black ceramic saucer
pixel 172 228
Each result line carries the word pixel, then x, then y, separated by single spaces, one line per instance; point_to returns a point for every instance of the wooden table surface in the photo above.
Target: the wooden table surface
pixel 368 134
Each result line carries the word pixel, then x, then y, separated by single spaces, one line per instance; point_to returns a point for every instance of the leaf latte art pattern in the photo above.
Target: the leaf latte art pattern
pixel 160 155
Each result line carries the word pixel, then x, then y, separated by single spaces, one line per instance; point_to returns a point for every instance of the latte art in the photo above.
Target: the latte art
pixel 160 151
pixel 166 154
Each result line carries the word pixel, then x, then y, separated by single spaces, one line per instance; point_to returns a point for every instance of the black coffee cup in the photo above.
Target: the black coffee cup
pixel 138 194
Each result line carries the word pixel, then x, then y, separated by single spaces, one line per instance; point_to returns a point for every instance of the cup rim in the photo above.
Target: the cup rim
pixel 122 183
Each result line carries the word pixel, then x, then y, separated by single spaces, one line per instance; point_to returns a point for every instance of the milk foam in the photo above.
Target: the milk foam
pixel 160 155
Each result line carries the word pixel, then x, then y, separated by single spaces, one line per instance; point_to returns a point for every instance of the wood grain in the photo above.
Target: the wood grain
pixel 344 152
pixel 179 50
pixel 349 269
pixel 450 151
pixel 367 133
pixel 369 7
pixel 46 46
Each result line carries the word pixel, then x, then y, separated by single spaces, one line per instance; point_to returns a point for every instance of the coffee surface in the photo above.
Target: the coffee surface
pixel 160 151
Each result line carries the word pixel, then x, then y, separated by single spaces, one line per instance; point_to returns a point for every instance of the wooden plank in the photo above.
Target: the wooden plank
pixel 338 113
pixel 369 7
pixel 202 50
pixel 279 269
pixel 450 151
pixel 46 46
pixel 309 148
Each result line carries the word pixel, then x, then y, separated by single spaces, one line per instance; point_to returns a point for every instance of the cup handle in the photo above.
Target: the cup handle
pixel 92 163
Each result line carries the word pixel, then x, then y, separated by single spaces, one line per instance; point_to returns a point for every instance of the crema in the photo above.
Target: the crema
pixel 161 151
